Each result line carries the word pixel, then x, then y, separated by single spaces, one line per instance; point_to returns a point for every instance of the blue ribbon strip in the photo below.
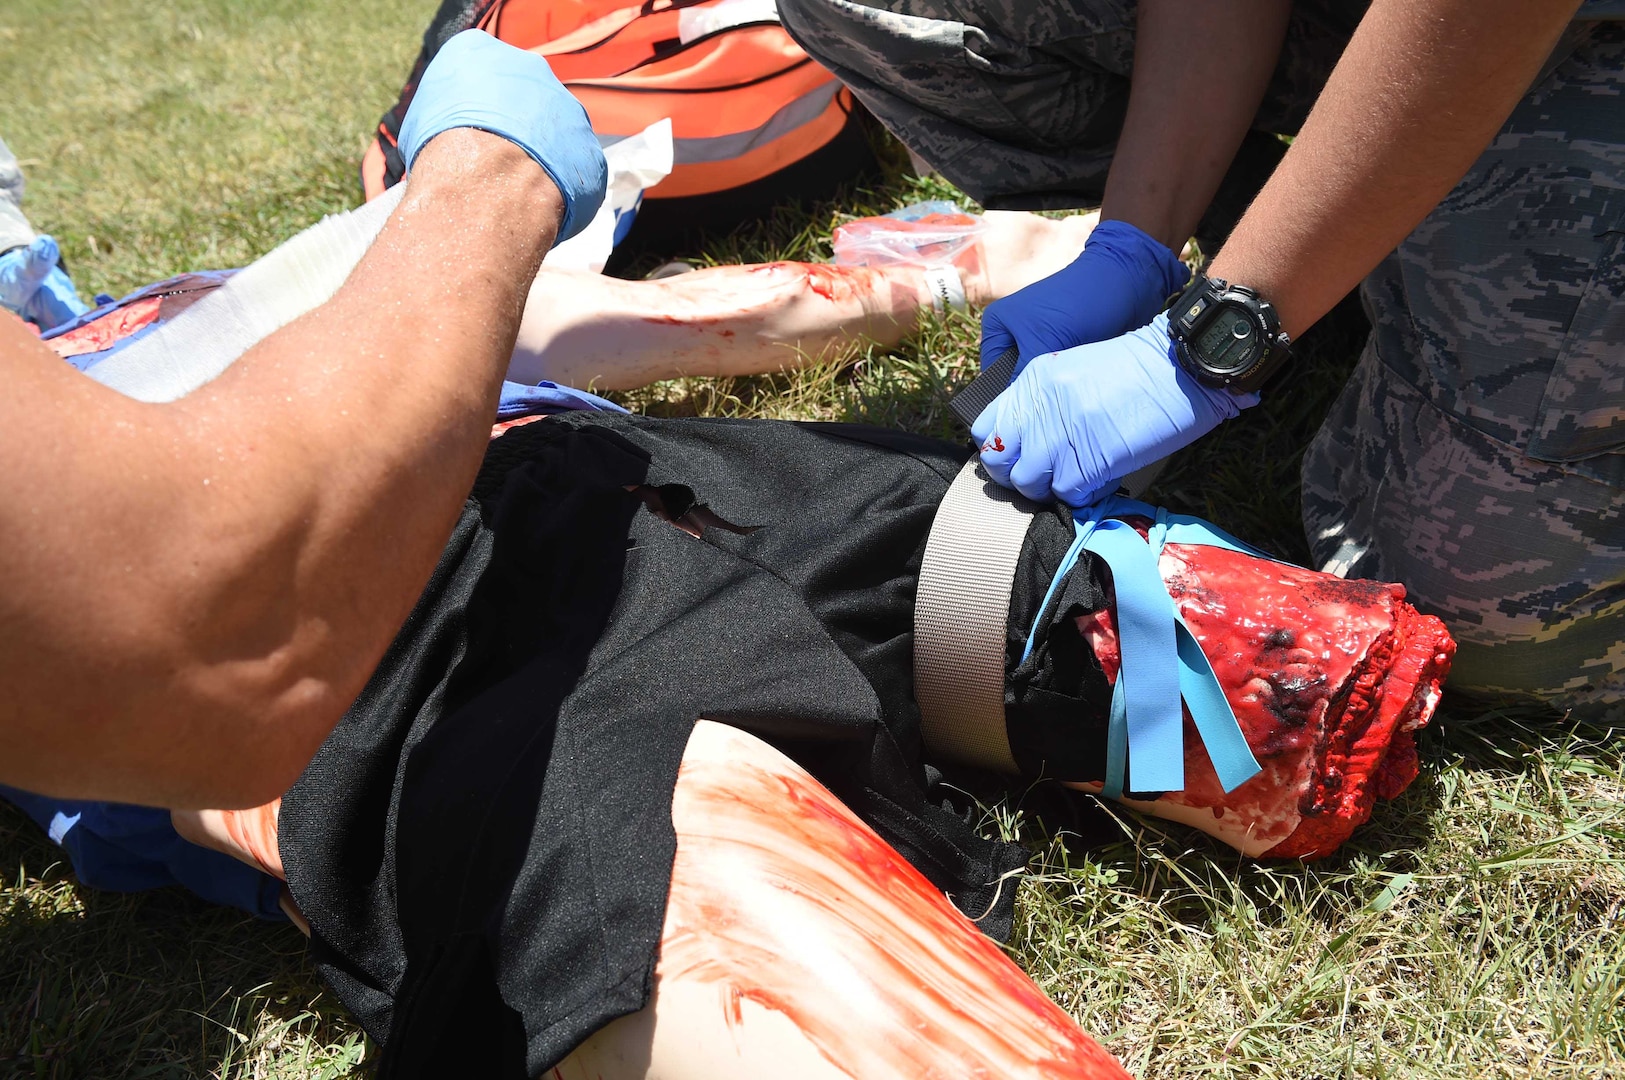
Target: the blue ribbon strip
pixel 1162 662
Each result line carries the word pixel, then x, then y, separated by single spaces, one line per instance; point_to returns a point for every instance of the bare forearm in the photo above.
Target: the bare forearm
pixel 210 582
pixel 588 330
pixel 1200 71
pixel 728 320
pixel 1420 91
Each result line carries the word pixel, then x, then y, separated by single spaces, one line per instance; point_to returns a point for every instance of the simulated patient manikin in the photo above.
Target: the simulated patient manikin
pixel 484 848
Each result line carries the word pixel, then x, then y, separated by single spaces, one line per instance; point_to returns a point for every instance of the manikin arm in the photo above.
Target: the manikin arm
pixel 193 593
pixel 588 330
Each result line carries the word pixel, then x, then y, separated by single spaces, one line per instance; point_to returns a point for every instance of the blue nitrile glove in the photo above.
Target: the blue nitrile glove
pixel 34 286
pixel 1120 281
pixel 477 81
pixel 1076 422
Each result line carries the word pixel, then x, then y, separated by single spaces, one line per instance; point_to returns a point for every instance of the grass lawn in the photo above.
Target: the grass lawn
pixel 1475 928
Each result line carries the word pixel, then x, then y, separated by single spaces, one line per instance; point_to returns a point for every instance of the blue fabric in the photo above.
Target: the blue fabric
pixel 133 848
pixel 548 397
pixel 33 285
pixel 476 81
pixel 1150 675
pixel 1162 662
pixel 624 220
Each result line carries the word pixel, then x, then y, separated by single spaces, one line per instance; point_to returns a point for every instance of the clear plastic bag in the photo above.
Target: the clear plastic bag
pixel 927 234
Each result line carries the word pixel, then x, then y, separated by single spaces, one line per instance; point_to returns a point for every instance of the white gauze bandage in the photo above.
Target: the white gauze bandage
pixel 207 338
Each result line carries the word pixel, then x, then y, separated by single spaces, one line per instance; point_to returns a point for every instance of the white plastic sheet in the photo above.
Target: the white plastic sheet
pixel 303 273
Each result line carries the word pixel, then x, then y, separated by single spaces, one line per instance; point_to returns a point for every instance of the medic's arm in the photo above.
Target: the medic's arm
pixel 191 594
pixel 1420 91
pixel 1200 72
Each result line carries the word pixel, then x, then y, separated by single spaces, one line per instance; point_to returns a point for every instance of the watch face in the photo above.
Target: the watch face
pixel 1229 342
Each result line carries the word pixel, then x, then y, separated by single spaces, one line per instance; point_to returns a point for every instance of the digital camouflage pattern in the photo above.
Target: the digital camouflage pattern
pixel 1019 102
pixel 1478 453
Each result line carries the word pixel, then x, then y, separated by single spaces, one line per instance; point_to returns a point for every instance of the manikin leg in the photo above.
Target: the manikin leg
pixel 797 945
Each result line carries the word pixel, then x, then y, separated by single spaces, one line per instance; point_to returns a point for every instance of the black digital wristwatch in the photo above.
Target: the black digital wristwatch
pixel 1227 335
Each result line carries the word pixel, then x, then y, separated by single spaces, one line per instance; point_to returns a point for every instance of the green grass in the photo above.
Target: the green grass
pixel 1475 928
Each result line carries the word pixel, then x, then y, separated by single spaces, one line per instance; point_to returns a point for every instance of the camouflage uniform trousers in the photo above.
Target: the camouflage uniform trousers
pixel 1478 453
pixel 1019 102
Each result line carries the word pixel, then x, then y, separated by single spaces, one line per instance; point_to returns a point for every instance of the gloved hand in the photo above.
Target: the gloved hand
pixel 34 286
pixel 477 81
pixel 1121 280
pixel 1076 422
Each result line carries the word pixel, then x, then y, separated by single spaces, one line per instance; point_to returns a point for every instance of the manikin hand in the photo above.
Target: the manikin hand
pixel 34 286
pixel 1076 422
pixel 1121 280
pixel 477 81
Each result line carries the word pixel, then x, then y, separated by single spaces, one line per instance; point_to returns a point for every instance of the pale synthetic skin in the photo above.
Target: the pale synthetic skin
pixel 193 593
pixel 588 330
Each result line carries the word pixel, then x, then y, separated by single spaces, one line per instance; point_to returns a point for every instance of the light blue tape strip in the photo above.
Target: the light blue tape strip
pixel 1082 528
pixel 1226 746
pixel 1150 669
pixel 1157 668
pixel 1116 744
pixel 1215 721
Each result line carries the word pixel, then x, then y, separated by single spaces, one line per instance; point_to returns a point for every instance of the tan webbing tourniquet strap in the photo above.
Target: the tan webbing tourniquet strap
pixel 959 619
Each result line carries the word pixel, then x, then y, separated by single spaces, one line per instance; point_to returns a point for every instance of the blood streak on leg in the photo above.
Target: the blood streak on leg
pixel 781 897
pixel 840 282
pixel 834 283
pixel 255 831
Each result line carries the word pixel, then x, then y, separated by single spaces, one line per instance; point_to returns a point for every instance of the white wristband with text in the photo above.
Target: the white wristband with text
pixel 947 289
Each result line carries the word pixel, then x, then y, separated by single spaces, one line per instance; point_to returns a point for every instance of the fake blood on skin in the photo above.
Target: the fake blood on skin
pixel 107 330
pixel 1327 677
pixel 254 832
pixel 781 897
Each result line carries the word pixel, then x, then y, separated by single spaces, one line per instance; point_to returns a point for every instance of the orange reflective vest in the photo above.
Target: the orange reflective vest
pixel 744 100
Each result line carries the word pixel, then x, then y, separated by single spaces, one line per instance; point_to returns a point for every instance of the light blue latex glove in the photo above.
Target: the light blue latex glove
pixel 34 286
pixel 477 81
pixel 1076 422
pixel 1121 280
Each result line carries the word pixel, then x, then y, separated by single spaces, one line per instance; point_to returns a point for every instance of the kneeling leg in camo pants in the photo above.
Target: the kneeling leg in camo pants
pixel 1478 453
